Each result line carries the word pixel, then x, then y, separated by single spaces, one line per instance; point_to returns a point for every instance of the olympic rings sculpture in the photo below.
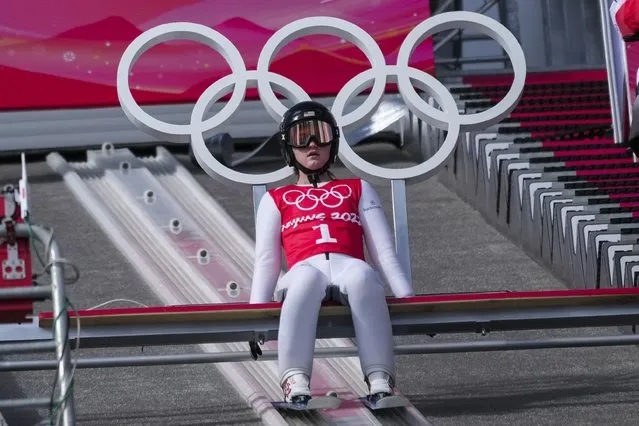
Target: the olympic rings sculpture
pixel 330 199
pixel 378 75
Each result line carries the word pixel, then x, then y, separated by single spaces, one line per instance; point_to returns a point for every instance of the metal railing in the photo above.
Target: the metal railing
pixel 64 407
pixel 271 355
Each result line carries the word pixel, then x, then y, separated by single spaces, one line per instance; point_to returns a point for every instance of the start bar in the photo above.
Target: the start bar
pixel 424 314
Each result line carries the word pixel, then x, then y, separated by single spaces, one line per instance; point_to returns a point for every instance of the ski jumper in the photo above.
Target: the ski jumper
pixel 322 231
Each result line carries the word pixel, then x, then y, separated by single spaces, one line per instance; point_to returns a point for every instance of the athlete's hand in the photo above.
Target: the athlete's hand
pixel 255 349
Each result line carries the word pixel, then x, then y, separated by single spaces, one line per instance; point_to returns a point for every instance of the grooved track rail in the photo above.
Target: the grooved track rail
pixel 136 201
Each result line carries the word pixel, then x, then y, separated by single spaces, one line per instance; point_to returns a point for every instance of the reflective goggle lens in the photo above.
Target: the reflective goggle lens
pixel 303 132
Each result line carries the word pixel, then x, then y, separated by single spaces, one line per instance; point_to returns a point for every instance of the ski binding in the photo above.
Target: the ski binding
pixel 391 401
pixel 328 402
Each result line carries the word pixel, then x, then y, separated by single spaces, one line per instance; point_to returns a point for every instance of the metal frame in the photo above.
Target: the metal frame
pixel 58 338
pixel 457 37
pixel 483 9
pixel 271 355
pixel 450 64
pixel 599 308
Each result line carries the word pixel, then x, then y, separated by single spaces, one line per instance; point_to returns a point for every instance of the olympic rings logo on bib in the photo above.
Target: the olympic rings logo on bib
pixel 309 200
pixel 380 73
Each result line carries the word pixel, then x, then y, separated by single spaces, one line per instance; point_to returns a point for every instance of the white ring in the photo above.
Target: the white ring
pixel 420 172
pixel 205 159
pixel 167 32
pixel 473 21
pixel 313 26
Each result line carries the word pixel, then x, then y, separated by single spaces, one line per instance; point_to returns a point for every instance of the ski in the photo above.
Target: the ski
pixel 315 403
pixel 391 401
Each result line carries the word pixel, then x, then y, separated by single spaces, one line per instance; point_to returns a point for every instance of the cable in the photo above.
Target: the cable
pixel 117 300
pixel 46 262
pixel 55 409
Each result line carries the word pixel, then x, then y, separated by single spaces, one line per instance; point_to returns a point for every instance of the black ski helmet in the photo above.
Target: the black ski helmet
pixel 304 112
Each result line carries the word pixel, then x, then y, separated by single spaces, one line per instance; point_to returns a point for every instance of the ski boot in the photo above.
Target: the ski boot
pixel 296 389
pixel 297 396
pixel 379 386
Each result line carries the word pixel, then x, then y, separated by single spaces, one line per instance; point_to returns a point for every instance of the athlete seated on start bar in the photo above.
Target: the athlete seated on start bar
pixel 321 223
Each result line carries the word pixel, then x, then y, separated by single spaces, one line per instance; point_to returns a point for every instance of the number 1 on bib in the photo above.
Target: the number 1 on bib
pixel 326 236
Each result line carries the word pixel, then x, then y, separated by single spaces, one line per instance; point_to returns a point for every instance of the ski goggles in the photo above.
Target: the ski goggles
pixel 302 133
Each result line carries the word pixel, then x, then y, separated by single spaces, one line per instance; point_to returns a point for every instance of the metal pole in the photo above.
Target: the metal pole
pixel 258 193
pixel 611 67
pixel 453 33
pixel 63 353
pixel 400 223
pixel 24 347
pixel 41 292
pixel 26 402
pixel 479 59
pixel 415 349
pixel 443 7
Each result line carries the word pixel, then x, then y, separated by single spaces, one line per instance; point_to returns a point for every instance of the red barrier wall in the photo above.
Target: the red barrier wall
pixel 65 53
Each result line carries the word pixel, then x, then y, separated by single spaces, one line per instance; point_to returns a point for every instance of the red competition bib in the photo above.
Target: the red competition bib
pixel 320 220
